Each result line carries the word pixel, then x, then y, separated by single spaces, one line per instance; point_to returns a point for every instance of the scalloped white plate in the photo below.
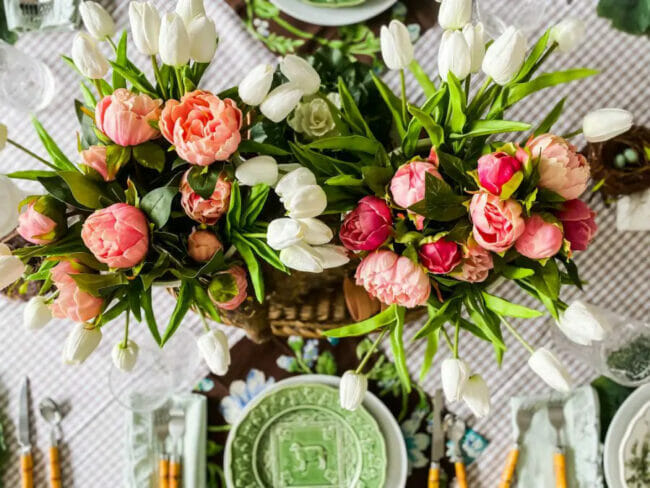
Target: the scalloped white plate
pixel 333 16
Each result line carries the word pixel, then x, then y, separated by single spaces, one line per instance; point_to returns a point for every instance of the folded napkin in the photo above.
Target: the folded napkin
pixel 141 442
pixel 632 212
pixel 581 439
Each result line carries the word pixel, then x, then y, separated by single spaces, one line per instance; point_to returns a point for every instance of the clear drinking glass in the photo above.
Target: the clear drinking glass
pixel 526 15
pixel 31 15
pixel 26 84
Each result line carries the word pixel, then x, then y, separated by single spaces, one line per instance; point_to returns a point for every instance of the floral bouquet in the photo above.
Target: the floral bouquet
pixel 433 203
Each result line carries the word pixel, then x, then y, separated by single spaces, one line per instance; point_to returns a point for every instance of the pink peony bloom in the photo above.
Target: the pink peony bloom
pixel 440 257
pixel 368 226
pixel 95 157
pixel 117 235
pixel 124 117
pixel 202 245
pixel 561 168
pixel 202 127
pixel 499 173
pixel 239 274
pixel 36 227
pixel 579 224
pixel 408 185
pixel 206 211
pixel 541 239
pixel 476 264
pixel 72 302
pixel 393 279
pixel 497 223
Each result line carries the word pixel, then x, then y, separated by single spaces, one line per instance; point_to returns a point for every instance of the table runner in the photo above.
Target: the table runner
pixel 616 265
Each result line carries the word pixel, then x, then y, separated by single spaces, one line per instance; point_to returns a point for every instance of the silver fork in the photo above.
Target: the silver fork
pixel 524 418
pixel 176 431
pixel 161 432
pixel 556 418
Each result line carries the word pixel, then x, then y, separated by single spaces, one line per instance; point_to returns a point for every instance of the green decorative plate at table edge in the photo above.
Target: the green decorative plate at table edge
pixel 299 437
pixel 333 3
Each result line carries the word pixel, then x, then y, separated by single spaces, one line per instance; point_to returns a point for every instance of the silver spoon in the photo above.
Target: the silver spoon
pixel 51 412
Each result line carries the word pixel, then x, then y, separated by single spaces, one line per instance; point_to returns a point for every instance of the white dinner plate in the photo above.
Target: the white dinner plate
pixel 333 16
pixel 617 434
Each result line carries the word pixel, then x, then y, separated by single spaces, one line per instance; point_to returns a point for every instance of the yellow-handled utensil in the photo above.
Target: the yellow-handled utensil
pixel 556 418
pixel 524 418
pixel 26 460
pixel 52 414
pixel 437 440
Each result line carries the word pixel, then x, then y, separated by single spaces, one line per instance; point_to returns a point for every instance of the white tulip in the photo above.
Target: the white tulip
pixel 550 369
pixel 97 20
pixel 4 135
pixel 174 42
pixel 352 390
pixel 307 201
pixel 454 14
pixel 332 256
pixel 213 346
pixel 283 233
pixel 37 313
pixel 316 231
pixel 256 85
pixel 396 46
pixel 477 396
pixel 606 123
pixel 473 35
pixel 280 102
pixel 454 55
pixel 125 357
pixel 188 10
pixel 300 73
pixel 203 39
pixel 145 27
pixel 11 198
pixel 257 170
pixel 505 56
pixel 584 323
pixel 293 181
pixel 302 257
pixel 11 267
pixel 82 340
pixel 568 34
pixel 87 57
pixel 454 374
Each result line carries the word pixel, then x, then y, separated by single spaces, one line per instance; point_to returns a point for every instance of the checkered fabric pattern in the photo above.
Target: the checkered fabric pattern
pixel 617 265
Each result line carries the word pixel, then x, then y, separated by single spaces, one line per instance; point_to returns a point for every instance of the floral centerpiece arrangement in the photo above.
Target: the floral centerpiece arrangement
pixel 434 203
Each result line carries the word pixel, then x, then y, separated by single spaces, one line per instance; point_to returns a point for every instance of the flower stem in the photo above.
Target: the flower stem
pixel 371 351
pixel 456 337
pixel 30 153
pixel 572 134
pixel 98 85
pixel 156 71
pixel 447 339
pixel 179 80
pixel 110 41
pixel 126 331
pixel 404 102
pixel 204 322
pixel 517 335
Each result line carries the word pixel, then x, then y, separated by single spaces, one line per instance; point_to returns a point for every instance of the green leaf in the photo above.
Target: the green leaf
pixel 251 146
pixel 32 174
pixel 115 311
pixel 631 16
pixel 118 80
pixel 326 364
pixel 264 251
pixel 377 178
pixel 516 273
pixel 437 318
pixel 441 203
pixel 456 117
pixel 203 300
pixel 485 127
pixel 344 180
pixel 141 84
pixel 393 102
pixel 346 143
pixel 412 136
pixel 430 352
pixel 322 164
pixel 435 132
pixel 146 303
pixel 253 268
pixel 254 204
pixel 203 180
pixel 522 90
pixel 89 97
pixel 59 159
pixel 351 111
pixel 504 307
pixel 428 86
pixel 458 170
pixel 536 53
pixel 384 318
pixel 397 346
pixel 157 204
pixel 150 155
pixel 551 118
pixel 116 158
pixel 183 302
pixel 233 217
pixel 88 137
pixel 95 284
pixel 87 192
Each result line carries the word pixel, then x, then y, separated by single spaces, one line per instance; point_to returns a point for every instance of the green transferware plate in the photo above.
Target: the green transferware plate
pixel 299 437
pixel 333 3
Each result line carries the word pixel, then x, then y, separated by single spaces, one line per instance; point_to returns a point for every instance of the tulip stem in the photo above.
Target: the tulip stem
pixel 456 339
pixel 204 322
pixel 179 80
pixel 156 71
pixel 98 85
pixel 402 79
pixel 110 41
pixel 30 153
pixel 370 351
pixel 479 94
pixel 126 330
pixel 517 335
pixel 572 134
pixel 447 339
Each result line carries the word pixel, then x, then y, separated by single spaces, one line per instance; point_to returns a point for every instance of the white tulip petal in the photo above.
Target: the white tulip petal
pixel 256 85
pixel 302 257
pixel 281 101
pixel 316 231
pixel 188 10
pixel 454 14
pixel 300 73
pixel 454 374
pixel 87 57
pixel 550 369
pixel 125 357
pixel 474 37
pixel 283 233
pixel 11 269
pixel 293 181
pixel 454 56
pixel 97 20
pixel 352 390
pixel 477 396
pixel 606 123
pixel 396 46
pixel 505 56
pixel 12 196
pixel 568 34
pixel 174 41
pixel 81 342
pixel 145 27
pixel 332 256
pixel 584 323
pixel 214 349
pixel 258 170
pixel 307 201
pixel 37 313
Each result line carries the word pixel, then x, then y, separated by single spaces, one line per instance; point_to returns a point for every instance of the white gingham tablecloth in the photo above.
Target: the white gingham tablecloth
pixel 617 265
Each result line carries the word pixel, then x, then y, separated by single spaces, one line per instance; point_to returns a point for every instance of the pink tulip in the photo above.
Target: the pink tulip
pixel 117 235
pixel 579 224
pixel 202 245
pixel 441 256
pixel 497 223
pixel 43 221
pixel 561 168
pixel 408 185
pixel 124 117
pixel 476 263
pixel 393 279
pixel 368 226
pixel 239 275
pixel 541 239
pixel 72 302
pixel 205 211
pixel 95 157
pixel 202 127
pixel 499 173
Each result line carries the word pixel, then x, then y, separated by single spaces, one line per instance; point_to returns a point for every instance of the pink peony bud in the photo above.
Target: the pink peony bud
pixel 497 223
pixel 476 264
pixel 72 302
pixel 202 127
pixel 44 220
pixel 368 226
pixel 579 224
pixel 202 245
pixel 541 239
pixel 117 235
pixel 95 157
pixel 500 174
pixel 228 288
pixel 202 210
pixel 441 256
pixel 393 279
pixel 408 185
pixel 124 117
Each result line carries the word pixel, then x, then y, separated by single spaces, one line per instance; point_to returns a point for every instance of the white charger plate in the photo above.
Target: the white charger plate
pixel 397 461
pixel 616 434
pixel 333 16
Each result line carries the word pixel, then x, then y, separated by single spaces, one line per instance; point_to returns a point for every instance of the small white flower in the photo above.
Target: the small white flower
pixel 125 357
pixel 281 101
pixel 256 85
pixel 302 257
pixel 473 35
pixel 352 390
pixel 316 232
pixel 584 323
pixel 203 39
pixel 283 233
pixel 568 34
pixel 214 349
pixel 37 313
pixel 477 396
pixel 174 41
pixel 260 169
pixel 81 342
pixel 293 181
pixel 11 267
pixel 396 46
pixel 454 14
pixel 97 20
pixel 188 10
pixel 454 374
pixel 505 56
pixel 145 27
pixel 332 256
pixel 87 57
pixel 454 55
pixel 550 369
pixel 606 123
pixel 307 201
pixel 301 74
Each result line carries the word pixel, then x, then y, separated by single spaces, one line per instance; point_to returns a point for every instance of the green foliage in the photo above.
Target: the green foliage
pixel 631 16
pixel 440 202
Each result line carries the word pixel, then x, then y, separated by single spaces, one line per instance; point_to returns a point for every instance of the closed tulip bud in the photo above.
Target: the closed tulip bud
pixel 258 170
pixel 87 57
pixel 316 232
pixel 473 35
pixel 307 201
pixel 454 374
pixel 280 102
pixel 37 313
pixel 145 26
pixel 188 10
pixel 256 85
pixel 97 20
pixel 476 396
pixel 283 233
pixel 202 245
pixel 3 136
pixel 11 198
pixel 352 390
pixel 125 355
pixel 81 342
pixel 454 14
pixel 11 267
pixel 550 369
pixel 454 55
pixel 300 73
pixel 203 39
pixel 174 42
pixel 293 181
pixel 505 56
pixel 332 256
pixel 214 349
pixel 396 46
pixel 568 34
pixel 302 257
pixel 606 123
pixel 584 323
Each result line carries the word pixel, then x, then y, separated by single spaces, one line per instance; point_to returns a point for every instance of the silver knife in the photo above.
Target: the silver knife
pixel 23 418
pixel 437 440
